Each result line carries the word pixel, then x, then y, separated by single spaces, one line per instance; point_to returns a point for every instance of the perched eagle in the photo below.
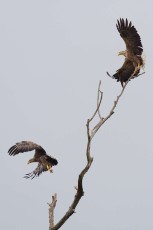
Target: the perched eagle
pixel 45 162
pixel 133 59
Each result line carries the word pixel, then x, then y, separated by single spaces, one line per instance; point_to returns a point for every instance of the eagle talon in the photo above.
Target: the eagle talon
pixel 137 68
pixel 49 168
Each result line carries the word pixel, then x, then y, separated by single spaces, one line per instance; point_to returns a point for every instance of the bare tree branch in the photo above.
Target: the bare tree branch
pixel 132 75
pixel 103 120
pixel 99 100
pixel 99 95
pixel 139 74
pixel 51 211
pixel 90 134
pixel 79 192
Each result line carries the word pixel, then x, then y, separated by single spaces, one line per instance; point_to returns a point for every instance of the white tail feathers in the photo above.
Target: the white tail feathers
pixel 144 60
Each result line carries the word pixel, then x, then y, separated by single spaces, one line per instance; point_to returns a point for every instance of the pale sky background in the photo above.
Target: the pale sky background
pixel 53 54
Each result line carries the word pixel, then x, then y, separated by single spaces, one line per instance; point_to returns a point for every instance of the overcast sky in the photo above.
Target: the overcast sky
pixel 52 56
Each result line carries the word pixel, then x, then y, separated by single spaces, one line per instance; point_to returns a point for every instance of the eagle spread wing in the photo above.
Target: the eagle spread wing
pixel 25 146
pixel 39 170
pixel 125 72
pixel 130 36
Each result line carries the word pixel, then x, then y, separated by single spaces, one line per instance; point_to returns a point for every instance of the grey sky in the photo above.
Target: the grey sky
pixel 53 54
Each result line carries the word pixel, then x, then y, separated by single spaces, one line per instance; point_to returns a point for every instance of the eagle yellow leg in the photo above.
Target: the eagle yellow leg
pixel 134 72
pixel 138 67
pixel 49 168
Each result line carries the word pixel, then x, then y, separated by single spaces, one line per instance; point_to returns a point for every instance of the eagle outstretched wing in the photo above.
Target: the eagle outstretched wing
pixel 130 36
pixel 125 72
pixel 26 146
pixel 35 173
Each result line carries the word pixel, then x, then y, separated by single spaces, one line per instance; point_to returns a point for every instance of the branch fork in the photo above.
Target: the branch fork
pixel 90 135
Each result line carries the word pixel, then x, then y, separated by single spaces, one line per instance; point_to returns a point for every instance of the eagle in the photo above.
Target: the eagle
pixel 45 162
pixel 133 54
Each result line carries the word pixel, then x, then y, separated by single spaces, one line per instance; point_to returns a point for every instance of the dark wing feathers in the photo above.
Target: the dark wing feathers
pixel 26 146
pixel 130 36
pixel 125 72
pixel 39 170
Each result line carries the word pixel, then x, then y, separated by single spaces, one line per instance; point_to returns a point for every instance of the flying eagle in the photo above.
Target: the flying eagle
pixel 45 162
pixel 133 59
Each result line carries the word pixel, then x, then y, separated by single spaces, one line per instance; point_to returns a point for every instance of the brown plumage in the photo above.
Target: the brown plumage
pixel 44 161
pixel 133 60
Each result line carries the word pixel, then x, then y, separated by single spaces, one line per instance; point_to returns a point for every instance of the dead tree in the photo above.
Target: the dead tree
pixel 90 135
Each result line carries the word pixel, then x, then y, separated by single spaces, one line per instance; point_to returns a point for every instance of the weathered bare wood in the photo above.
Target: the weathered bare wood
pixel 51 211
pixel 90 134
pixel 79 189
pixel 103 120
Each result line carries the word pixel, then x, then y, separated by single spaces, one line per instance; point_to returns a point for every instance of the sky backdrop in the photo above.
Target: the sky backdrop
pixel 53 54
